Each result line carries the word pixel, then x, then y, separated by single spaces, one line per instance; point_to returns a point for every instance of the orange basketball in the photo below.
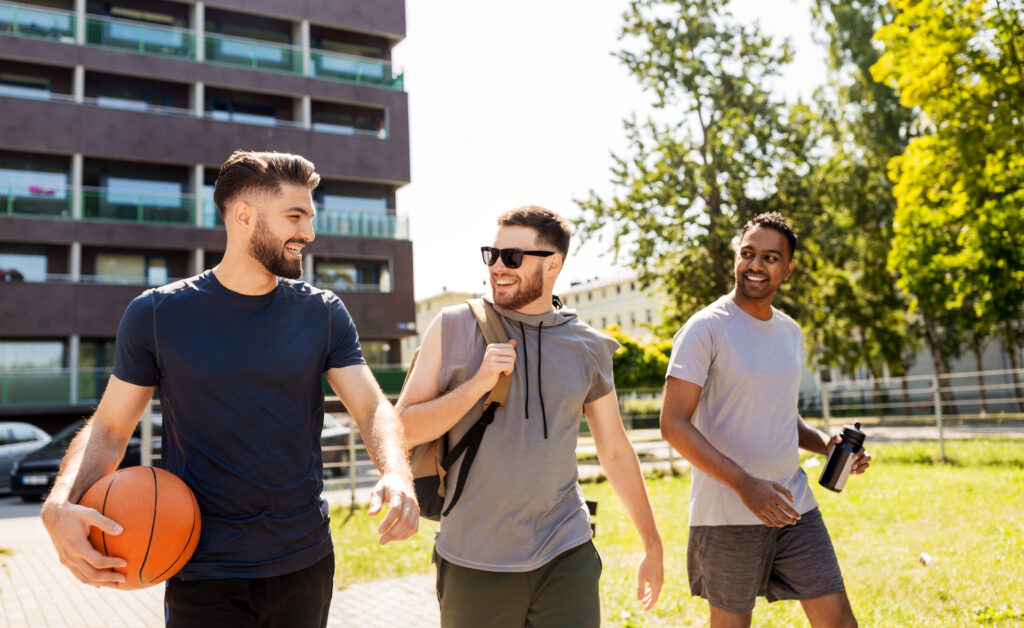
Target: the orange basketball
pixel 160 517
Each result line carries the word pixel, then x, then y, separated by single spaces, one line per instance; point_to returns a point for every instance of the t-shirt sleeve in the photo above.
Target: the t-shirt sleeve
pixel 135 359
pixel 344 339
pixel 602 379
pixel 692 352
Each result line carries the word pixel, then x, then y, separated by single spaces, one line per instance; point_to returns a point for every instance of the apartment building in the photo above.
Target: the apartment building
pixel 601 302
pixel 114 118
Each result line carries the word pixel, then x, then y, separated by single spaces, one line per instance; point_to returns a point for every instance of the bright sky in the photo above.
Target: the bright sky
pixel 515 103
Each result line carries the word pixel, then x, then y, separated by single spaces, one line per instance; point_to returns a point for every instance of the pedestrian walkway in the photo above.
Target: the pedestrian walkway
pixel 36 591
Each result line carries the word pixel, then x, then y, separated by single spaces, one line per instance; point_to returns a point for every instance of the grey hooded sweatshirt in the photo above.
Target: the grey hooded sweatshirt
pixel 522 505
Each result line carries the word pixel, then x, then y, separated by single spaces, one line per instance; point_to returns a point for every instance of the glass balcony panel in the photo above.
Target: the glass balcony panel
pixel 91 384
pixel 26 21
pixel 141 207
pixel 252 54
pixel 139 37
pixel 34 193
pixel 357 69
pixel 34 388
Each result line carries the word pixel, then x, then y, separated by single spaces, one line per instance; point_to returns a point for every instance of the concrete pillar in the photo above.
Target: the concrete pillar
pixel 73 365
pixel 77 161
pixel 78 84
pixel 75 262
pixel 301 38
pixel 198 261
pixel 304 111
pixel 197 98
pixel 307 268
pixel 199 29
pixel 79 21
pixel 198 176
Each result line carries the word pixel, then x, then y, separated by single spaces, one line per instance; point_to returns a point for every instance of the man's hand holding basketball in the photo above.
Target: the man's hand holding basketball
pixel 403 518
pixel 68 525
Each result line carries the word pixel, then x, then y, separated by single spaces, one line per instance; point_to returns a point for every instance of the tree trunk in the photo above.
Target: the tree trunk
pixel 981 381
pixel 941 364
pixel 906 391
pixel 1011 349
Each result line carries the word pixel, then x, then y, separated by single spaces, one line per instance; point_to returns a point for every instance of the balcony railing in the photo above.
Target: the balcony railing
pixel 337 66
pixel 180 209
pixel 43 202
pixel 148 208
pixel 139 37
pixel 30 21
pixel 362 224
pixel 253 53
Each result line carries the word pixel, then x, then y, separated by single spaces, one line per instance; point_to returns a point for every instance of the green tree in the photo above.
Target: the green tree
pixel 858 317
pixel 718 148
pixel 959 236
pixel 639 363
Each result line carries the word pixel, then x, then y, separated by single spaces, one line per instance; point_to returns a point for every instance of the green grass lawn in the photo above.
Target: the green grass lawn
pixel 968 514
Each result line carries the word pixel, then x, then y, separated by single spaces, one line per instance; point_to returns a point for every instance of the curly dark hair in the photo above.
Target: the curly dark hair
pixel 776 221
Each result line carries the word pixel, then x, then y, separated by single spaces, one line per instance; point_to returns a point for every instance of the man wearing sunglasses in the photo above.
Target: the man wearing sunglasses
pixel 516 549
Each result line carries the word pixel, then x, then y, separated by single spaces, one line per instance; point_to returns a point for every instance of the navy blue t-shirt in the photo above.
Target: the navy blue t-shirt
pixel 243 405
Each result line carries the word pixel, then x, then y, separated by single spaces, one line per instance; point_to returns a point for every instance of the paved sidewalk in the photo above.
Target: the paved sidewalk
pixel 36 591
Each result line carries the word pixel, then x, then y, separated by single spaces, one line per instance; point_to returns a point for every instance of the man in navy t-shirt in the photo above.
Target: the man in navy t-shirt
pixel 237 354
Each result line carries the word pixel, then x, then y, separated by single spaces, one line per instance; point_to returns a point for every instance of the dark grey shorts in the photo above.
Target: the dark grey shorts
pixel 730 566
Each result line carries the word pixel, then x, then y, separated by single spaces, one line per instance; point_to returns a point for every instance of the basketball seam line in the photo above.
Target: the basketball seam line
pixel 195 507
pixel 103 511
pixel 152 527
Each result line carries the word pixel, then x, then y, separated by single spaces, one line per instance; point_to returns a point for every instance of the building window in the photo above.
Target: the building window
pixel 604 322
pixel 364 276
pixel 20 266
pixel 632 286
pixel 618 320
pixel 23 86
pixel 133 98
pixel 131 268
pixel 122 191
pixel 376 352
pixel 244 112
pixel 590 296
pixel 648 316
pixel 31 354
pixel 632 318
pixel 618 289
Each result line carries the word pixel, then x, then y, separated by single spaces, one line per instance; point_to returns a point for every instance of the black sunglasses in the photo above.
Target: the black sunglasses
pixel 511 258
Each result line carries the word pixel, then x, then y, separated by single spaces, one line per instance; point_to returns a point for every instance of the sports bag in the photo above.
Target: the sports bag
pixel 431 460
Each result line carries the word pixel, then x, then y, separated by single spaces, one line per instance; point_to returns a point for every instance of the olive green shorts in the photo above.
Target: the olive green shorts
pixel 561 594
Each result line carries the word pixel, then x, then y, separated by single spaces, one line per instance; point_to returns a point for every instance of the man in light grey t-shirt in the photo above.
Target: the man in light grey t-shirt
pixel 730 407
pixel 515 550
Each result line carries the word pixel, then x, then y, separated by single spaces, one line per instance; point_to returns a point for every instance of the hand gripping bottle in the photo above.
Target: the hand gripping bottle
pixel 840 461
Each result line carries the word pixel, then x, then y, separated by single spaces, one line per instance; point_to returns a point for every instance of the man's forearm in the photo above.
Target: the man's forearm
pixel 92 454
pixel 688 441
pixel 811 439
pixel 387 444
pixel 627 480
pixel 429 419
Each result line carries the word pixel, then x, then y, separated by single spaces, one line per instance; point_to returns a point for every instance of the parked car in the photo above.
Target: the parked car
pixel 334 446
pixel 16 440
pixel 32 477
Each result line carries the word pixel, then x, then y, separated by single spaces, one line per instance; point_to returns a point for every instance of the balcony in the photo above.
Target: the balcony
pixel 139 37
pixel 336 66
pixel 37 22
pixel 35 201
pixel 362 224
pixel 143 208
pixel 22 20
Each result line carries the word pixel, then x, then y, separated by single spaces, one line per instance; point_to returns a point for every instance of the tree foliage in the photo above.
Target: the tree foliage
pixel 639 363
pixel 959 234
pixel 719 149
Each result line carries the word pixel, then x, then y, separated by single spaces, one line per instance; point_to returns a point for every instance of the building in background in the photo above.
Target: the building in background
pixel 426 310
pixel 115 118
pixel 616 301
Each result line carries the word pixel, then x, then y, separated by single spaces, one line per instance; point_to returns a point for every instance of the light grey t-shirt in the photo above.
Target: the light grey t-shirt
pixel 522 505
pixel 749 370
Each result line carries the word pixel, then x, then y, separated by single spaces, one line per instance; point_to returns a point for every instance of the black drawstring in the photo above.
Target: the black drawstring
pixel 540 386
pixel 526 376
pixel 526 369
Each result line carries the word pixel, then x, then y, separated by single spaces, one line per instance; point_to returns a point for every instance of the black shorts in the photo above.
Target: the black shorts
pixel 301 599
pixel 730 566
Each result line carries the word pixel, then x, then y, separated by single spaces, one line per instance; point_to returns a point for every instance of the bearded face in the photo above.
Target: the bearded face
pixel 515 289
pixel 274 254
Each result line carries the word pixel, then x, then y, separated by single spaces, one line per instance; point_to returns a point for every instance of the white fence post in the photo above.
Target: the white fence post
pixel 825 410
pixel 146 429
pixel 937 400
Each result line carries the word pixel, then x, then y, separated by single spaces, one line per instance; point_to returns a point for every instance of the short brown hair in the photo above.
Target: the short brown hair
pixel 551 228
pixel 248 171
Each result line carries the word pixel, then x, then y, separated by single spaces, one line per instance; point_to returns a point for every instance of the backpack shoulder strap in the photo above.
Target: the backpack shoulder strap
pixel 489 321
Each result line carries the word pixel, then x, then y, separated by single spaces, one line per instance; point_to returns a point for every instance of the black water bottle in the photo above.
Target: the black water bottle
pixel 840 461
